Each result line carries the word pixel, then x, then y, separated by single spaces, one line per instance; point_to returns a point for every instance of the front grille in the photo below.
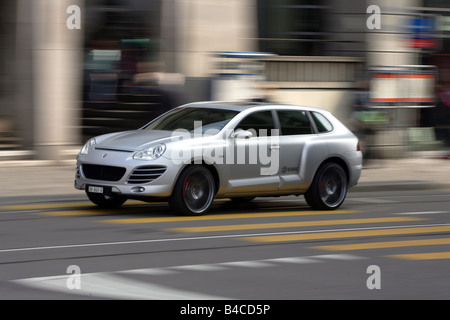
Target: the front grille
pixel 146 174
pixel 105 173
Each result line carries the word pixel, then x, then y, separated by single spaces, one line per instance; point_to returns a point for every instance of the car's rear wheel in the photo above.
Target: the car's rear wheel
pixel 194 191
pixel 329 187
pixel 105 201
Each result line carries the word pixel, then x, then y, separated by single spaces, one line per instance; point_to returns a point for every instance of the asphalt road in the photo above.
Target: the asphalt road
pixel 378 245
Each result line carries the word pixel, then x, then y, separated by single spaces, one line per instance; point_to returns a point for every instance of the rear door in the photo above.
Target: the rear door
pixel 296 134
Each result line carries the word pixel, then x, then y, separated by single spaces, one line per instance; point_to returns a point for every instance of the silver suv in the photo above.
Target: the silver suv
pixel 199 152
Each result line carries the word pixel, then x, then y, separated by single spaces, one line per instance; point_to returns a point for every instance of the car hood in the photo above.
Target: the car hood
pixel 133 140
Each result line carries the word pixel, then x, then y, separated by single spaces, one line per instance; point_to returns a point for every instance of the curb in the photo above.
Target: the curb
pixel 37 163
pixel 396 186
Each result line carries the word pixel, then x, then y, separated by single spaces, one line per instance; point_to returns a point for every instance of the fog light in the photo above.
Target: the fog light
pixel 138 189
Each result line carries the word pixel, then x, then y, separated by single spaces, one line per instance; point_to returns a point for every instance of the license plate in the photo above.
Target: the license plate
pixel 93 189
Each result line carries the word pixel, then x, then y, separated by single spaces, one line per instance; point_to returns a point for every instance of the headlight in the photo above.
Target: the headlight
pixel 151 153
pixel 88 145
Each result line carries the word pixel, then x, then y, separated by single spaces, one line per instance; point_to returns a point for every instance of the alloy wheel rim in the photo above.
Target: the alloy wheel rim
pixel 332 187
pixel 198 192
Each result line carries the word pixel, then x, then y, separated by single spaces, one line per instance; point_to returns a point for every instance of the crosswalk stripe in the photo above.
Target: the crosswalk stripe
pixel 199 267
pixel 227 216
pixel 345 234
pixel 118 284
pixel 386 244
pixel 293 224
pixel 422 256
pixel 105 285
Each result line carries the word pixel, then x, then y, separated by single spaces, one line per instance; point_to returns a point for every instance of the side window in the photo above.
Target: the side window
pixel 322 123
pixel 294 122
pixel 260 123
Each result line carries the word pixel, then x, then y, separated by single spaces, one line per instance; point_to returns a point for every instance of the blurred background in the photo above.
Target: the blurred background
pixel 382 67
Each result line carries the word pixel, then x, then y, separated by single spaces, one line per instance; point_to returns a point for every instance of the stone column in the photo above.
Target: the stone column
pixel 386 45
pixel 23 75
pixel 207 26
pixel 57 58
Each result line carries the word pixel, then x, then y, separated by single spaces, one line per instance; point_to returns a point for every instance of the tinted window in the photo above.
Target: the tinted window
pixel 294 122
pixel 322 123
pixel 261 122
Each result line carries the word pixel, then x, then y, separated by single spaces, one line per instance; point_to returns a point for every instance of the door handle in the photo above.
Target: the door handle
pixel 274 147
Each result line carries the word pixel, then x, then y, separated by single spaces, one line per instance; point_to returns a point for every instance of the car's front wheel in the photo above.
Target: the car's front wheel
pixel 329 187
pixel 194 191
pixel 105 201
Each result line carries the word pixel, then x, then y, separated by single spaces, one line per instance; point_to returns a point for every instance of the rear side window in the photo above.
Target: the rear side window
pixel 322 123
pixel 294 122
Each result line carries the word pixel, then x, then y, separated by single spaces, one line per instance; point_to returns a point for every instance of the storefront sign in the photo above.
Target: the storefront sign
pixel 422 32
pixel 394 88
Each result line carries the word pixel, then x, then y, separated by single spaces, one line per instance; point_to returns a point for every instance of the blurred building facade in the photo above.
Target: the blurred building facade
pixel 131 60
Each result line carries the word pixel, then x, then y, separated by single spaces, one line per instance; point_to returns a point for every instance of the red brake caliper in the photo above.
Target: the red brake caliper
pixel 186 185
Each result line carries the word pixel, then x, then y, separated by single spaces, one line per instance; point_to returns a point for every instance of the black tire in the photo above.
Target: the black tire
pixel 329 187
pixel 107 202
pixel 194 191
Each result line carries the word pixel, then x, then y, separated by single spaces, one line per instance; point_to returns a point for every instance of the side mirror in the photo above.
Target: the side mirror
pixel 242 134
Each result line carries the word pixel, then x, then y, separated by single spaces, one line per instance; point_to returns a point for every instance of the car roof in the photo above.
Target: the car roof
pixel 245 105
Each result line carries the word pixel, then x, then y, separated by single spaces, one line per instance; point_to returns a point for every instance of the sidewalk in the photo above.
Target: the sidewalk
pixel 47 179
pixel 405 174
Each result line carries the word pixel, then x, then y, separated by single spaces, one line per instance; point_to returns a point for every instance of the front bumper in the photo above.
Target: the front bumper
pixel 124 183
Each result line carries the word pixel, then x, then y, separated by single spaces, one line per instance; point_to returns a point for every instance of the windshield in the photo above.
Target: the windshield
pixel 211 120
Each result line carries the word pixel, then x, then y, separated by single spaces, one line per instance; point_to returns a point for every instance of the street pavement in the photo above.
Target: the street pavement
pixel 276 250
pixel 47 178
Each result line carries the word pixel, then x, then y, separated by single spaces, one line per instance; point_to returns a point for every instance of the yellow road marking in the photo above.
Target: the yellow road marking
pixel 46 206
pixel 345 234
pixel 78 212
pixel 71 205
pixel 58 205
pixel 293 224
pixel 226 216
pixel 422 256
pixel 387 244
